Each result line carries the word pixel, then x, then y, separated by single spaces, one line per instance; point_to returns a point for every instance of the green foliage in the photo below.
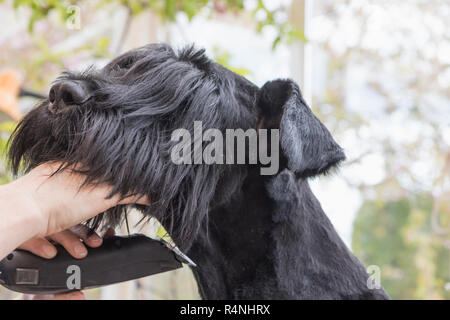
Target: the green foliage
pixel 41 8
pixel 223 58
pixel 42 57
pixel 399 238
pixel 286 32
pixel 167 10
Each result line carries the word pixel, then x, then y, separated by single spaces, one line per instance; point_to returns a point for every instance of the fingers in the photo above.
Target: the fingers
pixel 70 239
pixel 89 237
pixel 40 247
pixel 75 295
pixel 109 233
pixel 71 242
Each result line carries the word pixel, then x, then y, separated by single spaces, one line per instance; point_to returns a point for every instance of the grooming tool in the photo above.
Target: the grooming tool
pixel 164 236
pixel 118 259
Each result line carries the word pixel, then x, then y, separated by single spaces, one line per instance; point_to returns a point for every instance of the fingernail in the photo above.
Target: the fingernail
pixel 95 239
pixel 80 250
pixel 49 251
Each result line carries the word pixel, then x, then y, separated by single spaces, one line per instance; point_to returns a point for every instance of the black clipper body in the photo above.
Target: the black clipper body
pixel 118 259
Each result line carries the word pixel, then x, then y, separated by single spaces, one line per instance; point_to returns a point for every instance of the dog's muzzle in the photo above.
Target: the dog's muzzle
pixel 66 94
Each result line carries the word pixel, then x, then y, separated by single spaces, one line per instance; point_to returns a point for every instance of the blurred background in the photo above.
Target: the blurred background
pixel 376 72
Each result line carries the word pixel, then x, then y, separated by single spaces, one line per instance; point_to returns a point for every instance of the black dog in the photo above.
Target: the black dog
pixel 253 236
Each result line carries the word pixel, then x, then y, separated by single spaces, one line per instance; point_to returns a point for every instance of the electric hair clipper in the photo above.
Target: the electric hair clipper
pixel 118 259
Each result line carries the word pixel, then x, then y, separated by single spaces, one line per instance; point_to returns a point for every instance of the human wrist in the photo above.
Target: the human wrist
pixel 26 207
pixel 18 220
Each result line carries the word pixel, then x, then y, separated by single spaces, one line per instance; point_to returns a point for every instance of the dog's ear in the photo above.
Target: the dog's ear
pixel 307 146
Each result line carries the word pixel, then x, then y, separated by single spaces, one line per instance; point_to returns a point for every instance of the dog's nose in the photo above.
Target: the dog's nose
pixel 67 93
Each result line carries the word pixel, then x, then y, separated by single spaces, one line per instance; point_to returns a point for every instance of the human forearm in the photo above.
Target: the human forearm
pixel 18 220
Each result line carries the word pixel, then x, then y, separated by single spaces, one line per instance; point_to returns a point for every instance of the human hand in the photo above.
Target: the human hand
pixel 74 240
pixel 58 202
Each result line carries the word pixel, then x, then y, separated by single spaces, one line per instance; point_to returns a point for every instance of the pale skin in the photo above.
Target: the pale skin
pixel 37 208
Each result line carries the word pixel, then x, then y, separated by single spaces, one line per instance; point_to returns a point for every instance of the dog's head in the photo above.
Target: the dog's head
pixel 115 125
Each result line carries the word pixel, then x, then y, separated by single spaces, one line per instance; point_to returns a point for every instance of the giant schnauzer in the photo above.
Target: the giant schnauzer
pixel 252 235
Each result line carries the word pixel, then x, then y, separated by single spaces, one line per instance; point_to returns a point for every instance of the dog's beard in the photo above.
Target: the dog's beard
pixel 124 153
pixel 122 135
pixel 83 142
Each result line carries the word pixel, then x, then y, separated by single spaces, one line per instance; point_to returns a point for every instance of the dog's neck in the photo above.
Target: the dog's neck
pixel 273 241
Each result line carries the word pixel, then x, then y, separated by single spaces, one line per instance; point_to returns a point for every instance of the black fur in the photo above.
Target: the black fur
pixel 252 236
